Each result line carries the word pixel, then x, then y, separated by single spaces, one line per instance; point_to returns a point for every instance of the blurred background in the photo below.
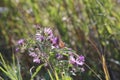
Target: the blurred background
pixel 81 24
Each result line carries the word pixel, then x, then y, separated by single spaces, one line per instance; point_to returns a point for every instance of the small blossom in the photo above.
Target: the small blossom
pixel 37 34
pixel 48 31
pixel 72 60
pixel 82 69
pixel 36 60
pixel 53 47
pixel 17 49
pixel 21 41
pixel 73 73
pixel 32 54
pixel 80 60
pixel 39 38
pixel 55 41
pixel 59 56
pixel 50 37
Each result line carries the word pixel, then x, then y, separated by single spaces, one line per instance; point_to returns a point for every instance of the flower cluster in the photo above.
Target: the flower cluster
pixel 46 35
pixel 46 48
pixel 19 44
pixel 79 61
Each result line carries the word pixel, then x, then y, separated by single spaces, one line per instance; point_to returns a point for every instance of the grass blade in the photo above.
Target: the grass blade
pixel 37 70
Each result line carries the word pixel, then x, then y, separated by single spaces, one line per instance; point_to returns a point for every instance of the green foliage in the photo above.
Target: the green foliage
pixel 11 70
pixel 35 73
pixel 77 22
pixel 64 77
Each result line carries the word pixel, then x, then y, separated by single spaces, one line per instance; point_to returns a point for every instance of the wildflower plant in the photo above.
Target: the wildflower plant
pixel 47 49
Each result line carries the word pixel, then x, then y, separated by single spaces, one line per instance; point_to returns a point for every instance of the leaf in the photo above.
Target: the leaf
pixel 50 74
pixel 109 29
pixel 56 75
pixel 37 70
pixel 1 58
pixel 66 77
pixel 7 69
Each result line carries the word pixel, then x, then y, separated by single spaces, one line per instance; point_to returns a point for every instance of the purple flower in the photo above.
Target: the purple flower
pixel 56 46
pixel 39 37
pixel 37 34
pixel 55 41
pixel 17 49
pixel 50 37
pixel 72 60
pixel 32 54
pixel 82 69
pixel 80 60
pixel 21 41
pixel 48 31
pixel 59 56
pixel 36 60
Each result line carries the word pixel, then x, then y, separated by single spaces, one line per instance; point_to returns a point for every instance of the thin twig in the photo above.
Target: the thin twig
pixel 93 71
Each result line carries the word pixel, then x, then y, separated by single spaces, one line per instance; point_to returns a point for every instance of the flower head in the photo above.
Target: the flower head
pixel 21 41
pixel 82 69
pixel 39 37
pixel 55 41
pixel 48 31
pixel 36 60
pixel 17 49
pixel 80 60
pixel 50 37
pixel 32 54
pixel 59 56
pixel 72 60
